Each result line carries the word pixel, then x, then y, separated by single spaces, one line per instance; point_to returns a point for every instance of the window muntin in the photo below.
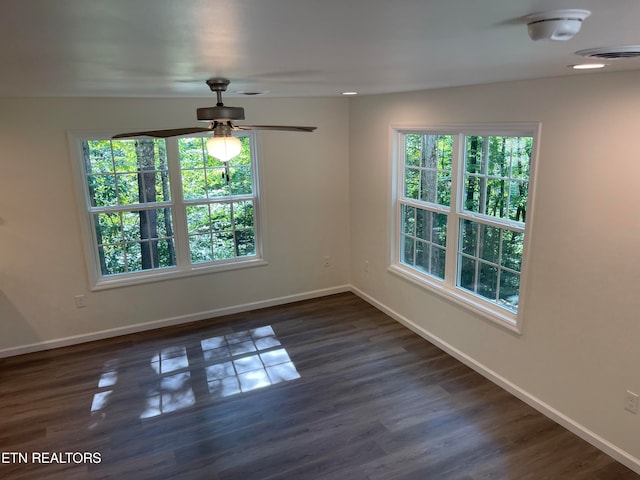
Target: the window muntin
pixel 166 206
pixel 461 211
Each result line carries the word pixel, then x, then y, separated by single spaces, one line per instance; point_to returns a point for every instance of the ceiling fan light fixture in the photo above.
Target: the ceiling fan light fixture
pixel 223 145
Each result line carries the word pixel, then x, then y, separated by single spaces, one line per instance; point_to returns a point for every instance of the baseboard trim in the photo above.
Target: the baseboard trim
pixel 168 322
pixel 547 410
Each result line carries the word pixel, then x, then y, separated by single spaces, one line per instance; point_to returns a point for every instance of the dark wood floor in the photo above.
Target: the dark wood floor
pixel 322 389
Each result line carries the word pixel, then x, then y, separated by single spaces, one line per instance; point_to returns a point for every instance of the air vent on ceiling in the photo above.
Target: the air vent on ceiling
pixel 611 53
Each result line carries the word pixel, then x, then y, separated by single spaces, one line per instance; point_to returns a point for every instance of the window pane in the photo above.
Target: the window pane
pixel 108 228
pixel 429 186
pixel 134 255
pixel 201 248
pixel 160 182
pixel 412 183
pixel 496 201
pixel 204 176
pixel 498 157
pixel 245 243
pixel 496 178
pixel 221 217
pixel 127 240
pixel 98 157
pixel 125 156
pixel 408 220
pixel 127 188
pixel 198 221
pixel 444 188
pixel 497 252
pixel 472 193
pixel 488 282
pixel 243 215
pixel 512 248
pixel 244 158
pixel 112 259
pixel 217 182
pixel 164 223
pixel 509 289
pixel 489 243
pixel 518 201
pixel 439 232
pixel 194 184
pixel 438 259
pixel 427 174
pixel 240 178
pixel 221 230
pixel 422 256
pixel 166 252
pixel 102 190
pixel 467 273
pixel 475 160
pixel 191 151
pixel 468 237
pixel 126 172
pixel 423 230
pixel 131 225
pixel 423 224
pixel 223 247
pixel 407 251
pixel 520 152
pixel 412 150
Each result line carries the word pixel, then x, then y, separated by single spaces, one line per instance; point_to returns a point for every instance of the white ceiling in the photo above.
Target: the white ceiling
pixel 288 47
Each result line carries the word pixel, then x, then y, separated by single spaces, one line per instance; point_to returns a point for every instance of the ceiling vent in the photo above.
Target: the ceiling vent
pixel 611 53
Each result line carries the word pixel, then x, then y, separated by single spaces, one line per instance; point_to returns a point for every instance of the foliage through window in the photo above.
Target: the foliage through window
pixel 462 205
pixel 163 206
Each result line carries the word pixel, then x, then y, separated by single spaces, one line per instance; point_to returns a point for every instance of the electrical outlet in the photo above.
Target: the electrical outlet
pixel 631 402
pixel 80 301
pixel 366 266
pixel 327 261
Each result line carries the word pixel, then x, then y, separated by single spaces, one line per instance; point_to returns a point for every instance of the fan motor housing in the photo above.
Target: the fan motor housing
pixel 220 113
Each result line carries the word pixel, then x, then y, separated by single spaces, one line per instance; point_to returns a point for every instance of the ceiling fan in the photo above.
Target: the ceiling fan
pixel 221 117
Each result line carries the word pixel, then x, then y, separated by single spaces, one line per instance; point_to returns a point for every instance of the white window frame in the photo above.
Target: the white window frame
pixel 183 267
pixel 448 288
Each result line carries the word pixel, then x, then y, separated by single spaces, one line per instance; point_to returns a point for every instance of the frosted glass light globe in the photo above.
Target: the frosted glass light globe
pixel 224 148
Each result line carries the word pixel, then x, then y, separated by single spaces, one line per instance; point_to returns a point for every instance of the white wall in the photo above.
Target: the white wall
pixel 42 266
pixel 580 349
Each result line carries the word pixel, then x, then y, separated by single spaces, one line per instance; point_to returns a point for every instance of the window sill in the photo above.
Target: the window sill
pixel 106 283
pixel 496 315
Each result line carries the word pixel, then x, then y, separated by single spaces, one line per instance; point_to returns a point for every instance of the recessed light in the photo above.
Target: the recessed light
pixel 349 93
pixel 587 66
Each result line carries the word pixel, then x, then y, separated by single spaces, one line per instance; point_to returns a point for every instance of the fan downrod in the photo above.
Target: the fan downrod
pixel 218 85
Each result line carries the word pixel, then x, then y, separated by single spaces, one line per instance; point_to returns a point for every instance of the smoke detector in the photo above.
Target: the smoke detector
pixel 555 24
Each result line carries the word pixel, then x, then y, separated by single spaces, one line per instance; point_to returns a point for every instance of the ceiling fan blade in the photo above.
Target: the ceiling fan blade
pixel 275 127
pixel 174 132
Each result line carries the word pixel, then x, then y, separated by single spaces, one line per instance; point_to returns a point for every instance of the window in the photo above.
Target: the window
pixel 156 208
pixel 461 206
